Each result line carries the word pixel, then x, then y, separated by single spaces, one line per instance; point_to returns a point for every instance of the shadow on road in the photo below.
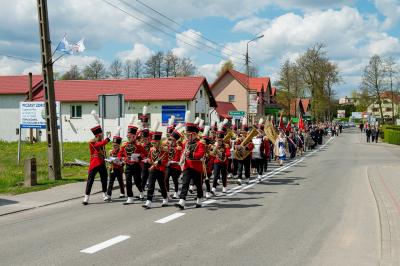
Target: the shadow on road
pixel 4 202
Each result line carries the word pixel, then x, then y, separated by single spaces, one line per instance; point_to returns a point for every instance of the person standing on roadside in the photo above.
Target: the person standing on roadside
pixel 377 134
pixel 373 133
pixel 368 133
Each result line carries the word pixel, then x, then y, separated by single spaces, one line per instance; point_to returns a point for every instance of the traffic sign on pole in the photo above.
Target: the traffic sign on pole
pixel 237 113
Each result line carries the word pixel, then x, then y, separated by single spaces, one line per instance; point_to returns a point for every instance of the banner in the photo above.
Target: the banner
pixel 253 103
pixel 33 114
pixel 177 110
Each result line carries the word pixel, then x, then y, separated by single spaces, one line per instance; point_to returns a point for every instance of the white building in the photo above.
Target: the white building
pixel 163 96
pixel 13 90
pixel 386 99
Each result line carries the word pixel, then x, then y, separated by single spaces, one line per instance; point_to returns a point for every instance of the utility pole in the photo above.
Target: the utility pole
pixel 53 149
pixel 248 75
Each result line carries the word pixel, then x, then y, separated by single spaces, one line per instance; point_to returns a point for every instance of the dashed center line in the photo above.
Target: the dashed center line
pixel 170 217
pixel 105 244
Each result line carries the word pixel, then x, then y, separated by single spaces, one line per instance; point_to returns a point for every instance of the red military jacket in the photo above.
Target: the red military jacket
pixel 114 153
pixel 129 148
pixel 160 156
pixel 195 152
pixel 97 153
pixel 267 147
pixel 146 148
pixel 222 156
pixel 174 156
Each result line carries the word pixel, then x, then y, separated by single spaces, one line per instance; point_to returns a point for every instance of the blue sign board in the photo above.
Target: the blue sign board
pixel 173 110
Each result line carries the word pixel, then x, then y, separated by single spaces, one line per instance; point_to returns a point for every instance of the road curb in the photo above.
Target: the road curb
pixel 388 218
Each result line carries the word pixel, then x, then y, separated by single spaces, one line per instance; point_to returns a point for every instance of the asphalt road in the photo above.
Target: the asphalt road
pixel 317 210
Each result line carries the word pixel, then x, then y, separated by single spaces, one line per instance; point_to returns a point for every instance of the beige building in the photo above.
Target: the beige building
pixel 386 99
pixel 247 94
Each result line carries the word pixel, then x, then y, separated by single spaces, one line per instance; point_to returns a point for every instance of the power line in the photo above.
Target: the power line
pixel 159 29
pixel 183 26
pixel 28 59
pixel 172 29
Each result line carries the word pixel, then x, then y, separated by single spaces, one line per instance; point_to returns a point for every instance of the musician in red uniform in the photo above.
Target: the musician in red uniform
pixel 209 160
pixel 174 155
pixel 158 159
pixel 132 153
pixel 221 152
pixel 192 164
pixel 244 163
pixel 146 144
pixel 116 169
pixel 97 163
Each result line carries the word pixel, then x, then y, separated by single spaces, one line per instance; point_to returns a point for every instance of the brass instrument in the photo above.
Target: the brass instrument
pixel 229 136
pixel 242 153
pixel 270 131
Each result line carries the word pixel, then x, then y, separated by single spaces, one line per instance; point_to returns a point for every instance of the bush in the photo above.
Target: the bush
pixel 391 134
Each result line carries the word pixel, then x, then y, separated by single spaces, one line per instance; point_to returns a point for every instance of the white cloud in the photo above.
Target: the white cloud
pixel 188 42
pixel 13 66
pixel 251 25
pixel 210 70
pixel 351 38
pixel 390 9
pixel 139 51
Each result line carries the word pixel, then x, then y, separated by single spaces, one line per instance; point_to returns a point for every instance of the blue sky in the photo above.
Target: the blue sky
pixel 352 30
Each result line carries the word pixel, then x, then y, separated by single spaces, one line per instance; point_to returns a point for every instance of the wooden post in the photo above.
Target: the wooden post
pixel 30 172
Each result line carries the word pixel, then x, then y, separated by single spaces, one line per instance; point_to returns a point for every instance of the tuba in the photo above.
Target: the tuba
pixel 241 153
pixel 229 136
pixel 270 132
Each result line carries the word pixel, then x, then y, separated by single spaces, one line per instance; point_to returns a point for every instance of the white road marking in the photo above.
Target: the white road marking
pixel 170 218
pixel 205 203
pixel 105 244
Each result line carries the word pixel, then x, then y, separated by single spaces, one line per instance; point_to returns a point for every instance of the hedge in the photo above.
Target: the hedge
pixel 391 134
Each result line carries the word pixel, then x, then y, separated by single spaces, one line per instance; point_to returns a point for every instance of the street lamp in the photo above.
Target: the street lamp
pixel 248 73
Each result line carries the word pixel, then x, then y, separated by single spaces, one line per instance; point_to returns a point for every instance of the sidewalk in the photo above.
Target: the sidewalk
pixel 16 203
pixel 385 184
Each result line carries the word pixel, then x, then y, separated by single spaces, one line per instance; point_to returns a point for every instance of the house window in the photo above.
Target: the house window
pixel 201 93
pixel 375 110
pixel 388 109
pixel 231 98
pixel 76 111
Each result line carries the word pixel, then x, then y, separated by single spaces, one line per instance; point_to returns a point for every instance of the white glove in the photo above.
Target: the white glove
pixel 135 157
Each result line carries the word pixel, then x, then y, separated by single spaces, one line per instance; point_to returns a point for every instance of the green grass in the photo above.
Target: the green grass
pixel 12 174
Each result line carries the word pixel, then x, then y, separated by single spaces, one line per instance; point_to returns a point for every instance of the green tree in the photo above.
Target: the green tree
pixel 95 70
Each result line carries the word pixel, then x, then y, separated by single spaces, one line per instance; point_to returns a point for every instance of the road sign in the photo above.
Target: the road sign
pixel 237 113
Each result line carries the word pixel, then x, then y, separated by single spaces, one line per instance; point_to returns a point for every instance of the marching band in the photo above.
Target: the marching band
pixel 193 153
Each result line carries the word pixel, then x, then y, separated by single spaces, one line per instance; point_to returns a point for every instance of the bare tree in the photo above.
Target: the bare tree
pixel 72 74
pixel 314 69
pixel 253 71
pixel 390 66
pixel 185 67
pixel 285 84
pixel 151 67
pixel 170 64
pixel 116 69
pixel 95 70
pixel 137 68
pixel 128 68
pixel 373 80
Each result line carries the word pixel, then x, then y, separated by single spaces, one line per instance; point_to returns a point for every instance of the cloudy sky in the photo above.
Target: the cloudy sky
pixel 208 31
